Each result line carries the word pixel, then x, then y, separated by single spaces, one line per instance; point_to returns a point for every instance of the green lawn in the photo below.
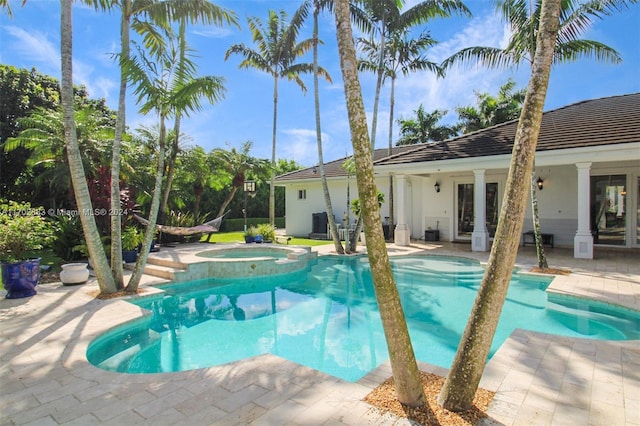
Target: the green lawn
pixel 238 237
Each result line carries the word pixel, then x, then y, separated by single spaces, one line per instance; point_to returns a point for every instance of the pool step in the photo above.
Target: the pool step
pixel 168 262
pixel 161 268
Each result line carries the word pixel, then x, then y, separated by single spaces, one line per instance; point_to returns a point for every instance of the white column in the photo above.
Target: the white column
pixel 583 241
pixel 402 235
pixel 480 235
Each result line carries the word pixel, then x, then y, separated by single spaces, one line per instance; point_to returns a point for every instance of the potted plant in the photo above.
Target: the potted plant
pixel 22 229
pixel 268 232
pixel 250 234
pixel 131 239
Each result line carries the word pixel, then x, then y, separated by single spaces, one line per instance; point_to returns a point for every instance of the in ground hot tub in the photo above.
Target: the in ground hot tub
pixel 241 260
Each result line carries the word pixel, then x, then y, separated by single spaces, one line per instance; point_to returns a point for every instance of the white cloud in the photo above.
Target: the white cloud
pixel 459 84
pixel 35 46
pixel 301 146
pixel 214 32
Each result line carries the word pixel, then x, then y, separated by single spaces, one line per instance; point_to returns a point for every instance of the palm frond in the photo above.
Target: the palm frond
pixel 489 56
pixel 573 50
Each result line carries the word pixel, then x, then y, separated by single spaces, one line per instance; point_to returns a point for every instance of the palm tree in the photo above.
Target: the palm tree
pixel 492 110
pixel 78 179
pixel 403 363
pixel 43 136
pixel 139 15
pixel 162 86
pixel 237 164
pixel 424 128
pixel 403 55
pixel 318 5
pixel 277 53
pixel 523 16
pixel 390 22
pixel 465 373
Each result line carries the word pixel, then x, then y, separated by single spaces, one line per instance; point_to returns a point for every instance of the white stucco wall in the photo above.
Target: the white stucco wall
pixel 427 209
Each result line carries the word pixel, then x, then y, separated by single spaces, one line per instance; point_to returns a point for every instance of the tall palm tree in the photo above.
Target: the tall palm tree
pixel 403 55
pixel 465 373
pixel 237 164
pixel 524 17
pixel 163 86
pixel 403 363
pixel 388 21
pixel 78 179
pixel 318 6
pixel 277 52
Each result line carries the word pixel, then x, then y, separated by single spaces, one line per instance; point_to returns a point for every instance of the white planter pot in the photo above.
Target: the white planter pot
pixel 74 273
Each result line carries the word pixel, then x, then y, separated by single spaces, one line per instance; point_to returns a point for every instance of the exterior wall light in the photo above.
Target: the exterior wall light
pixel 437 186
pixel 540 182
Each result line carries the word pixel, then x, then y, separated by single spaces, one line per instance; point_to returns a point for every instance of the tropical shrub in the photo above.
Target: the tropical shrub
pixel 267 231
pixel 22 229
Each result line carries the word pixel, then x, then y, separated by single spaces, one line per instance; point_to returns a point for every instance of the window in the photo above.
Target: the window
pixel 302 194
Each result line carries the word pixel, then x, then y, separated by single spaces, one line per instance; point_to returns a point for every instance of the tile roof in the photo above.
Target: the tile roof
pixel 604 121
pixel 334 168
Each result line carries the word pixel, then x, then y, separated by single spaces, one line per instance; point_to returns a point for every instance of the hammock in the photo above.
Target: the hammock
pixel 207 227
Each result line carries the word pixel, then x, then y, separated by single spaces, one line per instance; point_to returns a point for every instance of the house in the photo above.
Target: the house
pixel 587 173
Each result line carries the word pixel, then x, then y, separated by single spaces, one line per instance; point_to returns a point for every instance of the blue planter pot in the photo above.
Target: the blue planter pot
pixel 130 256
pixel 20 279
pixel 248 239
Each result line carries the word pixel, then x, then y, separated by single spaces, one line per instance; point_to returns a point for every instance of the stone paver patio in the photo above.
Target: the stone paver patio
pixel 539 379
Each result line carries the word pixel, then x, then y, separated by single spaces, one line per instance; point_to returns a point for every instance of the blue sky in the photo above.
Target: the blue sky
pixel 31 39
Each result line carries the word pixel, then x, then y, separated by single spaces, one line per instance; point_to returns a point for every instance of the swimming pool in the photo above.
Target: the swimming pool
pixel 326 318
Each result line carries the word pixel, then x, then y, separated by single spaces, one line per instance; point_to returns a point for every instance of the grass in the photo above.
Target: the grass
pixel 238 237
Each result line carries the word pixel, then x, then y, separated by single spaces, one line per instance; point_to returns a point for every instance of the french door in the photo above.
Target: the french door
pixel 465 209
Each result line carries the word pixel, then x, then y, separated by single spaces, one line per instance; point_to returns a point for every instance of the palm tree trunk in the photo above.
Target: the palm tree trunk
pixel 465 373
pixel 542 259
pixel 175 146
pixel 376 101
pixel 391 203
pixel 134 281
pixel 403 363
pixel 78 178
pixel 116 219
pixel 272 185
pixel 316 93
pixel 171 171
pixel 227 201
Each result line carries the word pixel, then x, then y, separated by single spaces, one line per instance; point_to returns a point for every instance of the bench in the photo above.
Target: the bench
pixel 529 238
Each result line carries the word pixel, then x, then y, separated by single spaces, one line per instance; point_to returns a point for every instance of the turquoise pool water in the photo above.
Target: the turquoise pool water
pixel 327 318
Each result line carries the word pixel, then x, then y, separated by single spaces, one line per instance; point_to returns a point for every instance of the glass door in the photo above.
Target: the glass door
pixel 465 207
pixel 609 209
pixel 464 218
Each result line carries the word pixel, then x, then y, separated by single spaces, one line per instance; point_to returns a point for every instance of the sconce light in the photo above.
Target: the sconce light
pixel 437 187
pixel 540 182
pixel 315 169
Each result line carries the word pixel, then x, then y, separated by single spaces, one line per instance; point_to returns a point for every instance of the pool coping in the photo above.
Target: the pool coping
pixel 539 378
